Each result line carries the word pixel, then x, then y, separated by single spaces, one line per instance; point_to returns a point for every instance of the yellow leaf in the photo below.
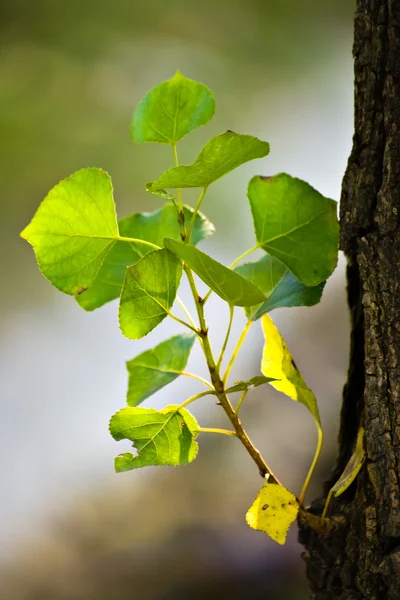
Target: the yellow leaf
pixel 273 511
pixel 278 364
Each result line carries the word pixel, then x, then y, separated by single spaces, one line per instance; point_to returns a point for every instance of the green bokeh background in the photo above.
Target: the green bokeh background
pixel 71 74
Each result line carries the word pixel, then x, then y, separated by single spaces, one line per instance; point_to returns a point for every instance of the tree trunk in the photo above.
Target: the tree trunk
pixel 361 558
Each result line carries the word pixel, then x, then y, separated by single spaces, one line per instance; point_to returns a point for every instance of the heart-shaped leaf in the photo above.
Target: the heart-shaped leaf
pixel 278 363
pixel 73 230
pixel 148 292
pixel 163 437
pixel 230 286
pixel 297 225
pixel 278 284
pixel 171 110
pixel 222 154
pixel 155 368
pixel 151 227
pixel 273 511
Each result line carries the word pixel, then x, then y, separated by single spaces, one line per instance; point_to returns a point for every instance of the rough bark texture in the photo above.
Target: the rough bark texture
pixel 361 560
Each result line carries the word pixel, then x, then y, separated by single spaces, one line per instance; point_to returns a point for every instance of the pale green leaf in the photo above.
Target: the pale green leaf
pixel 165 437
pixel 297 225
pixel 273 511
pixel 148 292
pixel 278 284
pixel 156 368
pixel 171 110
pixel 151 227
pixel 353 466
pixel 278 363
pixel 230 286
pixel 222 154
pixel 241 386
pixel 73 230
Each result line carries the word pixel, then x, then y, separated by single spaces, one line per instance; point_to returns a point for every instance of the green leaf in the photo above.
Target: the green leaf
pixel 281 288
pixel 171 110
pixel 163 437
pixel 156 368
pixel 353 466
pixel 148 292
pixel 230 286
pixel 297 225
pixel 241 386
pixel 160 193
pixel 273 511
pixel 278 363
pixel 222 154
pixel 73 230
pixel 151 227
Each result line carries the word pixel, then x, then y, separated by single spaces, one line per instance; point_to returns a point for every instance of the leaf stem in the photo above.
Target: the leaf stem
pixel 196 210
pixel 178 320
pixel 241 399
pixel 220 389
pixel 221 356
pixel 181 214
pixel 198 377
pixel 213 430
pixel 312 468
pixel 193 399
pixel 187 313
pixel 242 256
pixel 236 350
pixel 327 502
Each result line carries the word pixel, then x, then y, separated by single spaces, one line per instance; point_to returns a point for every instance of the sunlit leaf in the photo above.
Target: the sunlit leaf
pixel 148 292
pixel 273 511
pixel 353 467
pixel 222 154
pixel 165 437
pixel 73 230
pixel 230 286
pixel 278 284
pixel 297 225
pixel 241 386
pixel 155 368
pixel 171 110
pixel 278 363
pixel 151 227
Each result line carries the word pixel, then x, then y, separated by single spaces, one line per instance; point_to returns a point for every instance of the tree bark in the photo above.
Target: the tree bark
pixel 361 558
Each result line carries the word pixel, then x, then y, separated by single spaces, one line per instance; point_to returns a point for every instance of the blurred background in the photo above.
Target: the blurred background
pixel 71 74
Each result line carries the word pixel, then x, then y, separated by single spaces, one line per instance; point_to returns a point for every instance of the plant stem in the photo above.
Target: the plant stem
pixel 239 404
pixel 242 256
pixel 212 430
pixel 196 210
pixel 221 356
pixel 236 350
pixel 181 214
pixel 219 386
pixel 313 464
pixel 194 398
pixel 136 241
pixel 194 376
pixel 328 501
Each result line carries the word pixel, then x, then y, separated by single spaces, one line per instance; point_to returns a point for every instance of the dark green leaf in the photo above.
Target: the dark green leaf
pixel 151 227
pixel 148 292
pixel 230 286
pixel 73 230
pixel 241 386
pixel 278 284
pixel 163 437
pixel 297 225
pixel 171 110
pixel 155 368
pixel 219 156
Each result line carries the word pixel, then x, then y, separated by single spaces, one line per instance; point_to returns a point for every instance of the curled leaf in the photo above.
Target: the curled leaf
pixel 353 467
pixel 273 511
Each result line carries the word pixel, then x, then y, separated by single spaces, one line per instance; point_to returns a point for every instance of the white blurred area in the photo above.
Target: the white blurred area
pixel 62 371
